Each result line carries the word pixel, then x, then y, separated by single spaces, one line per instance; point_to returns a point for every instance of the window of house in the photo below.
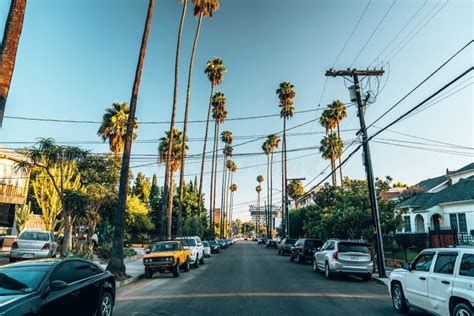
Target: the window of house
pixel 453 219
pixel 406 220
pixel 458 221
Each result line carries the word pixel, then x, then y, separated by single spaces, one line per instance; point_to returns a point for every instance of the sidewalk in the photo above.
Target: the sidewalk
pixel 133 268
pixel 384 281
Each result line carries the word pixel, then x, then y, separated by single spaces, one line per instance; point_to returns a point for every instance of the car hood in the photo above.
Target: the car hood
pixel 160 254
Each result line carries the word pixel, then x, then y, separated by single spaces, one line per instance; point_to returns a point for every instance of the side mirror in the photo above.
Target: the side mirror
pixel 57 285
pixel 406 266
pixel 147 251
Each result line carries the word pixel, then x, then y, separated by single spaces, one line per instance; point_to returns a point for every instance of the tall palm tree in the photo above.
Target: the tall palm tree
pixel 215 73
pixel 233 189
pixel 116 264
pixel 169 202
pixel 114 126
pixel 295 190
pixel 338 114
pixel 219 114
pixel 226 137
pixel 174 161
pixel 273 143
pixel 331 148
pixel 232 168
pixel 327 120
pixel 201 8
pixel 11 38
pixel 257 216
pixel 286 94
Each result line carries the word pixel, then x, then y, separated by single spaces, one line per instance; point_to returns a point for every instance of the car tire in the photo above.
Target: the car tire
pixel 196 263
pixel 186 265
pixel 148 273
pixel 315 266
pixel 299 259
pixel 367 277
pixel 175 270
pixel 327 271
pixel 279 252
pixel 201 261
pixel 106 305
pixel 398 299
pixel 291 256
pixel 462 309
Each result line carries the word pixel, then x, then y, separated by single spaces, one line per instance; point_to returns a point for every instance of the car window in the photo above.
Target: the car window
pixel 290 241
pixel 34 236
pixel 330 245
pixel 198 240
pixel 172 246
pixel 83 270
pixel 423 262
pixel 445 263
pixel 63 273
pixel 205 244
pixel 52 237
pixel 23 280
pixel 352 247
pixel 467 265
pixel 188 242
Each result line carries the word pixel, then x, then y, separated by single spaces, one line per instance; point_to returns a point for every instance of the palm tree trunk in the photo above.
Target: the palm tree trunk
pixel 333 174
pixel 287 215
pixel 116 264
pixel 201 179
pixel 214 194
pixel 270 206
pixel 11 38
pixel 169 201
pixel 227 199
pixel 268 194
pixel 224 174
pixel 211 199
pixel 340 165
pixel 66 246
pixel 185 128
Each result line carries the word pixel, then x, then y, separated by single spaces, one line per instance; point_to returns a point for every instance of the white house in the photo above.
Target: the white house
pixel 445 201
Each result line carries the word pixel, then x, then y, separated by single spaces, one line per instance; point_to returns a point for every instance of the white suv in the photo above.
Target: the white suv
pixel 194 244
pixel 440 281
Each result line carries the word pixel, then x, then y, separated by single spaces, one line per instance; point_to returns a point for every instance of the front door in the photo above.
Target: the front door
pixel 440 282
pixel 416 282
pixel 88 284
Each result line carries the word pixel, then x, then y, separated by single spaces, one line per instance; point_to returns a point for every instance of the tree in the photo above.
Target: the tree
pixel 137 218
pixel 338 114
pixel 226 137
pixel 295 189
pixel 116 264
pixel 233 188
pixel 47 155
pixel 11 38
pixel 269 146
pixel 193 226
pixel 219 114
pixel 114 126
pixel 142 187
pixel 215 70
pixel 258 189
pixel 331 148
pixel 201 8
pixel 173 161
pixel 286 94
pixel 22 214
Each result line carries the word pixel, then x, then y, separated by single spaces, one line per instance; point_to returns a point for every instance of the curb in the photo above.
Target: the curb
pixel 130 280
pixel 382 281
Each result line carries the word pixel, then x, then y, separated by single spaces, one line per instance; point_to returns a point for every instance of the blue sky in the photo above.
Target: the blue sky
pixel 76 57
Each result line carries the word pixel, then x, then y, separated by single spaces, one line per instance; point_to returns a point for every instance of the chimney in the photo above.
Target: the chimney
pixel 447 171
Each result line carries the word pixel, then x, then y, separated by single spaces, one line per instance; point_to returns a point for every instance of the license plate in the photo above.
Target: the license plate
pixel 28 256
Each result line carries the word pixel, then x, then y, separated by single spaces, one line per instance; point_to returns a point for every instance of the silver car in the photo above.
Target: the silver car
pixel 32 244
pixel 207 249
pixel 344 257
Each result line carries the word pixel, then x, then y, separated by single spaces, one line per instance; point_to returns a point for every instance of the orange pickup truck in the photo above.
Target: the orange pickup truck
pixel 166 256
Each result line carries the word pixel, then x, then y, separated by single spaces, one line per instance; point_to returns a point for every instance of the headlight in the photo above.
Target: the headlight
pixel 170 259
pixel 147 260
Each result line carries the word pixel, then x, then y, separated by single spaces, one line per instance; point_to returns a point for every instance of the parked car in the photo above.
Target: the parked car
pixel 32 244
pixel 261 241
pixel 271 243
pixel 440 281
pixel 194 244
pixel 344 257
pixel 284 247
pixel 167 256
pixel 56 287
pixel 222 243
pixel 207 249
pixel 304 249
pixel 215 248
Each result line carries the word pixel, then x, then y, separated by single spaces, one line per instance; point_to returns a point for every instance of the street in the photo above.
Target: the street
pixel 247 279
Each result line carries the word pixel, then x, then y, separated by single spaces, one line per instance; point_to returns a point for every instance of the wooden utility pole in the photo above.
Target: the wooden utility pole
pixel 354 73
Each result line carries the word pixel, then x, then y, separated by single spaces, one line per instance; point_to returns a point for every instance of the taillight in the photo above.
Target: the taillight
pixel 45 247
pixel 334 255
pixel 15 245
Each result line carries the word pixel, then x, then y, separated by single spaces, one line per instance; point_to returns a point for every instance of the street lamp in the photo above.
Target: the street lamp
pixel 285 204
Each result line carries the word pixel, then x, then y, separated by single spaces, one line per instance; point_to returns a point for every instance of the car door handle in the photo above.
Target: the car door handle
pixel 445 282
pixel 423 278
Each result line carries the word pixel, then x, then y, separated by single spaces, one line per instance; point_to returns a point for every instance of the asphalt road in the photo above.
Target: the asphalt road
pixel 247 279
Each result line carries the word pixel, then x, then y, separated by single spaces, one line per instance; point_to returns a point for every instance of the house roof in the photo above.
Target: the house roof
pixel 416 201
pixel 465 168
pixel 461 191
pixel 429 184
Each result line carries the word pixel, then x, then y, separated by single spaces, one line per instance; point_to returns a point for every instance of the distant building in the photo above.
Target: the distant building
pixel 306 199
pixel 260 214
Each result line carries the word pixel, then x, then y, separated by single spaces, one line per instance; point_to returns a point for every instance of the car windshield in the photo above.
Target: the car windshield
pixel 312 243
pixel 169 246
pixel 41 236
pixel 290 241
pixel 212 242
pixel 352 247
pixel 188 242
pixel 205 244
pixel 221 241
pixel 21 280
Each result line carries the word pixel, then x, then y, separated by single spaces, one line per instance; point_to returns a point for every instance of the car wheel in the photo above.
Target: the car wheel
pixel 315 266
pixel 279 252
pixel 196 263
pixel 291 256
pixel 327 271
pixel 299 259
pixel 148 273
pixel 202 259
pixel 106 305
pixel 175 270
pixel 462 309
pixel 367 277
pixel 398 299
pixel 186 265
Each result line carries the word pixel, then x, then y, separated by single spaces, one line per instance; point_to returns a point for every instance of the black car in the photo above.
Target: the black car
pixel 271 243
pixel 223 243
pixel 284 247
pixel 304 249
pixel 215 248
pixel 56 287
